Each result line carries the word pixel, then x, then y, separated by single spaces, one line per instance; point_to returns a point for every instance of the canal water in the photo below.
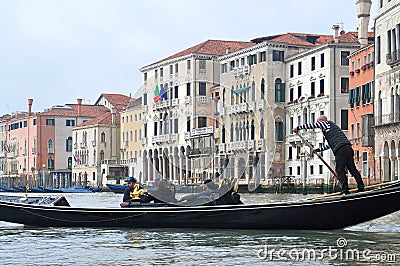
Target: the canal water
pixel 373 243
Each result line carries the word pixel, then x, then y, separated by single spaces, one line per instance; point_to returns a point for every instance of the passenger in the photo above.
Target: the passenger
pixel 133 192
pixel 163 193
pixel 209 187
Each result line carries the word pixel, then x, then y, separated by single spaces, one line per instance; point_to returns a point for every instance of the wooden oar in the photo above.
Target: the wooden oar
pixel 352 190
pixel 319 156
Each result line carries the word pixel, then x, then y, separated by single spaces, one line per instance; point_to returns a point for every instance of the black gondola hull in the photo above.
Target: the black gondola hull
pixel 330 213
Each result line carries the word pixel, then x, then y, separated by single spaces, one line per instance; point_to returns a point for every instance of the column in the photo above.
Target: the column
pixel 181 170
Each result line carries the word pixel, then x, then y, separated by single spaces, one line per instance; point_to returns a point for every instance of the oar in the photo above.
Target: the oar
pixel 352 190
pixel 319 156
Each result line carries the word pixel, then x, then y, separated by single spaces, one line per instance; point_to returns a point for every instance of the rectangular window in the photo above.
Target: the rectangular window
pixel 188 124
pixel 176 127
pixel 365 164
pixel 343 58
pixel 34 122
pixel 223 68
pixel 299 68
pixel 320 169
pixel 145 76
pixel 202 121
pixel 161 72
pixel 277 55
pixel 291 71
pixel 291 95
pixel 50 122
pixel 69 123
pixel 263 56
pixel 202 65
pixel 144 98
pixel 155 74
pixel 176 92
pixel 313 88
pixel 321 86
pixel 187 89
pixel 290 153
pixel 344 119
pixel 278 131
pixel 231 65
pixel 344 85
pixel 378 50
pixel 202 89
pixel 298 92
pixel 252 59
pixel 25 123
pixel 171 69
pixel 188 64
pixel 322 60
pixel 311 169
pixel 176 68
pixel 313 63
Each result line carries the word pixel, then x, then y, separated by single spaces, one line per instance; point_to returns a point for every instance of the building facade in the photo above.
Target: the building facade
pixel 176 109
pixel 361 111
pixel 387 90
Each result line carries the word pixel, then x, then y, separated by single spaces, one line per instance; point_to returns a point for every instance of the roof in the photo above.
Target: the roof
pixel 105 119
pixel 119 101
pixel 211 47
pixel 72 110
pixel 310 39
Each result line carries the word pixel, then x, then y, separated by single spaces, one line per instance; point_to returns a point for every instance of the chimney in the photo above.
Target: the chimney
pixel 113 114
pixel 363 14
pixel 79 106
pixel 335 29
pixel 30 101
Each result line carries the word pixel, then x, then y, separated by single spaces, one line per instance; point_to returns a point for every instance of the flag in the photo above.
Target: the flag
pixel 77 159
pixel 157 94
pixel 163 93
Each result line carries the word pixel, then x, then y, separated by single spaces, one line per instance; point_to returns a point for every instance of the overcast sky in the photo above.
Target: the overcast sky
pixel 56 51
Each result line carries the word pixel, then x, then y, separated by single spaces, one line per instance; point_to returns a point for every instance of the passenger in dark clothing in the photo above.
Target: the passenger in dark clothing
pixel 163 193
pixel 209 187
pixel 341 147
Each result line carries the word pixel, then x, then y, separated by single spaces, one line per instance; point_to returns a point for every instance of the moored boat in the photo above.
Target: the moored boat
pixel 330 212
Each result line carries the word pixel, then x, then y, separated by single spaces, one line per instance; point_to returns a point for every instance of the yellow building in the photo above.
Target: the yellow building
pixel 131 135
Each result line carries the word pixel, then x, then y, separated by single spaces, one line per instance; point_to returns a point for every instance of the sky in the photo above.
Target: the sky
pixel 56 51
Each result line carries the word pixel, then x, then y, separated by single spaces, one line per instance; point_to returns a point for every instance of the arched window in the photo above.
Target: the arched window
pixel 279 91
pixel 101 155
pixel 262 89
pixel 50 146
pixel 68 144
pixel 103 137
pixel 379 108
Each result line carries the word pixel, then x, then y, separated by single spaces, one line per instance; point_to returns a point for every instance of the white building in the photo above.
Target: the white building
pixel 387 90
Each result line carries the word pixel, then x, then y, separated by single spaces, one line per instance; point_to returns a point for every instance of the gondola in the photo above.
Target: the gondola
pixel 324 213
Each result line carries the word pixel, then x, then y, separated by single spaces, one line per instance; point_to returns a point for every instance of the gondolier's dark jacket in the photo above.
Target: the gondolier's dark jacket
pixel 333 135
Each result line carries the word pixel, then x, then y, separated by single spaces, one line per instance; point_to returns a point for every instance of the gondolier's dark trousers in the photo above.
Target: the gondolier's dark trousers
pixel 344 157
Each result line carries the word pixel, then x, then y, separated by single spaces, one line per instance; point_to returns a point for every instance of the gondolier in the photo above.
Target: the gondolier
pixel 341 147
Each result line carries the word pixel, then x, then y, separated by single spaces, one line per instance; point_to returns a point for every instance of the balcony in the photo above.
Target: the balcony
pixel 161 105
pixel 75 145
pixel 202 99
pixel 260 144
pixel 187 135
pixel 261 105
pixel 197 132
pixel 164 138
pixel 144 141
pixel 245 145
pixel 187 99
pixel 93 143
pixel 221 148
pixel 174 102
pixel 144 108
pixel 126 143
pixel 83 145
pixel 393 57
pixel 241 71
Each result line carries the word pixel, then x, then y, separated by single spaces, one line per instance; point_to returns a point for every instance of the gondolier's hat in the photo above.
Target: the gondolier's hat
pixel 131 179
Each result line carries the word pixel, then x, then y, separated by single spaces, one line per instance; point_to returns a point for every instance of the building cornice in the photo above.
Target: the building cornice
pixel 175 60
pixel 387 11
